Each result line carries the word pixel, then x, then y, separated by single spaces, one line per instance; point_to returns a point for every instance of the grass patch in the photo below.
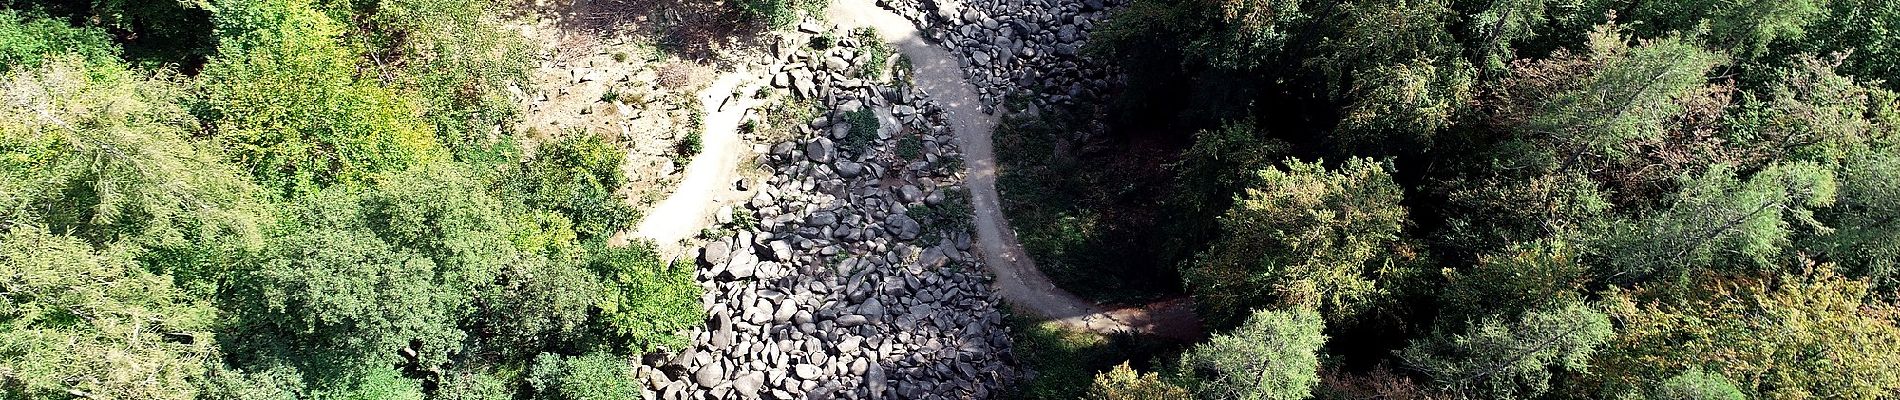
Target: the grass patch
pixel 953 214
pixel 1065 362
pixel 878 52
pixel 863 130
pixel 910 148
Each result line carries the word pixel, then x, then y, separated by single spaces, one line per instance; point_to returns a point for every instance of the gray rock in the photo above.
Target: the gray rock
pixel 820 151
pixel 749 384
pixel 903 226
pixel 910 193
pixel 722 335
pixel 875 382
pixel 849 169
pixel 850 345
pixel 779 250
pixel 715 253
pixel 709 375
pixel 741 269
pixel 822 218
pixel 851 320
pixel 807 371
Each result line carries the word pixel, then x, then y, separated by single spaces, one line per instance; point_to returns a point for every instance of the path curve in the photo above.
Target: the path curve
pixel 710 174
pixel 938 73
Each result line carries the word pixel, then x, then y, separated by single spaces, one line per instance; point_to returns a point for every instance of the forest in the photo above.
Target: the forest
pixel 275 199
pixel 1363 199
pixel 1534 199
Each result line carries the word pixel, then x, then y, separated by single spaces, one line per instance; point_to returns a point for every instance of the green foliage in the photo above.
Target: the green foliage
pixel 463 385
pixel 1719 219
pixel 1812 335
pixel 1272 356
pixel 1503 357
pixel 647 303
pixel 594 376
pixel 1249 33
pixel 1749 27
pixel 775 14
pixel 1697 385
pixel 1629 95
pixel 877 53
pixel 1125 383
pixel 80 323
pixel 1302 235
pixel 1809 113
pixel 691 144
pixel 373 257
pixel 1524 278
pixel 576 176
pixel 284 99
pixel 100 153
pixel 1496 27
pixel 459 58
pixel 356 277
pixel 1866 241
pixel 864 126
pixel 1864 27
pixel 910 147
pixel 1403 104
pixel 27 40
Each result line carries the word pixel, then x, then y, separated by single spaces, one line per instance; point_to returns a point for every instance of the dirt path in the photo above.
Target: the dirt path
pixel 1017 278
pixel 709 176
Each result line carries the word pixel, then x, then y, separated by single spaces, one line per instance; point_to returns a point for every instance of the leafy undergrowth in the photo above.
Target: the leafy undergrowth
pixel 1088 221
pixel 1065 362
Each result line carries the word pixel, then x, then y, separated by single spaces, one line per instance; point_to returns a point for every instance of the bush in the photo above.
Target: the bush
pixel 910 148
pixel 864 127
pixel 878 53
pixel 1125 383
pixel 76 323
pixel 285 98
pixel 648 303
pixel 593 376
pixel 778 13
pixel 576 176
pixel 1698 385
pixel 27 40
pixel 1273 356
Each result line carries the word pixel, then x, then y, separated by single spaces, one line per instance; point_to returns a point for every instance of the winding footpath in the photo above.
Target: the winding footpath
pixel 938 73
pixel 710 174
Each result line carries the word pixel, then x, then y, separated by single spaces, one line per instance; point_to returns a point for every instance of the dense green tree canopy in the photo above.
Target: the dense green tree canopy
pixel 1303 236
pixel 1272 356
pixel 282 220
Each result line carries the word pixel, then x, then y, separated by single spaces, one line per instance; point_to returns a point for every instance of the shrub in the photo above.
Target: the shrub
pixel 596 375
pixel 75 323
pixel 863 130
pixel 1273 356
pixel 878 53
pixel 576 176
pixel 1698 385
pixel 1124 383
pixel 648 303
pixel 778 13
pixel 285 98
pixel 27 40
pixel 910 148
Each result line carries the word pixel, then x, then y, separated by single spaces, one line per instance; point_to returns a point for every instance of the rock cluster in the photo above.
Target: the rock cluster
pixel 1015 45
pixel 838 291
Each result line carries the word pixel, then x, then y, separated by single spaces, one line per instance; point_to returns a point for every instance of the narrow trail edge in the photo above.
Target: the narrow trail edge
pixel 938 73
